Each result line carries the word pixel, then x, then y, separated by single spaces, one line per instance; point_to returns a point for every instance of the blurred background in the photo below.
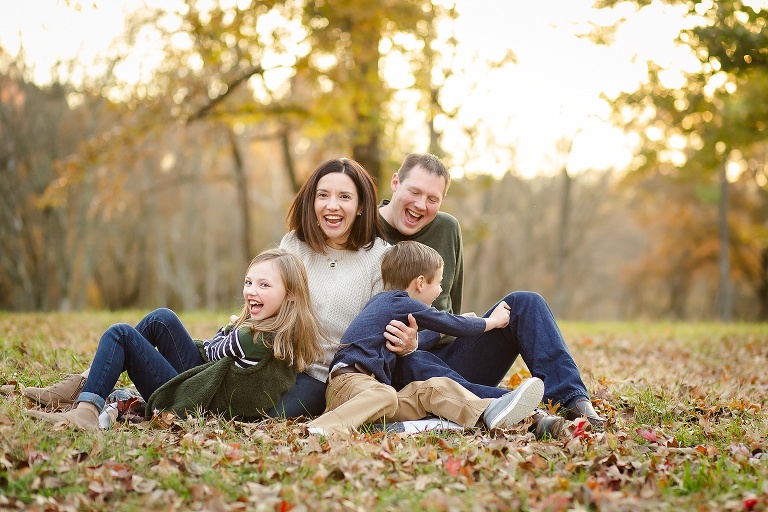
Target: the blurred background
pixel 609 155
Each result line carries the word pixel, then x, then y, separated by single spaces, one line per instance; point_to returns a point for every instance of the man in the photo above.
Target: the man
pixel 413 213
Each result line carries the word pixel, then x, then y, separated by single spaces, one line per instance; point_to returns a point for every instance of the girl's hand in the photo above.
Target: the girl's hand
pixel 233 319
pixel 402 339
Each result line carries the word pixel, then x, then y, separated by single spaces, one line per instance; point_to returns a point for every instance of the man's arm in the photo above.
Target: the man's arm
pixel 457 290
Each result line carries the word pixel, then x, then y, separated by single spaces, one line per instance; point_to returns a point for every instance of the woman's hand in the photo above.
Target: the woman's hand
pixel 402 339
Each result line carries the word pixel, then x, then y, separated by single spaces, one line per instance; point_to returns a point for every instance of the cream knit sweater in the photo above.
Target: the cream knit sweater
pixel 340 284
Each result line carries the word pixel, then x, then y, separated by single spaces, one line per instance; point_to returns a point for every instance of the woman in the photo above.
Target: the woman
pixel 335 229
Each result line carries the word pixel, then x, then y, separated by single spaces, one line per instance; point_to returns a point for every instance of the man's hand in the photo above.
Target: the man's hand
pixel 401 338
pixel 471 314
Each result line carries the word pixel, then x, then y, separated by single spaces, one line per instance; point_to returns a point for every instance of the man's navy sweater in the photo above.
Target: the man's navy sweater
pixel 364 345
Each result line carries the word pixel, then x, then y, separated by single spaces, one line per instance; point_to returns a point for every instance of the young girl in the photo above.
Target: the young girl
pixel 241 372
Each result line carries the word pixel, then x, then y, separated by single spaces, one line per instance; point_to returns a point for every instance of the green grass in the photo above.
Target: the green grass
pixel 687 431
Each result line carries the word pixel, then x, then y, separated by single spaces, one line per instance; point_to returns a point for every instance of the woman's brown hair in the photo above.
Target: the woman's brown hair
pixel 366 226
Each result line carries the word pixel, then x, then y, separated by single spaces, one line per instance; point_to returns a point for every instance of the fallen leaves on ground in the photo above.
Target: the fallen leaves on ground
pixel 686 431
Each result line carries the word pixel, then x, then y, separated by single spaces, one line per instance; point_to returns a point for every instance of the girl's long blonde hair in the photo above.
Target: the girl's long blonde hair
pixel 295 325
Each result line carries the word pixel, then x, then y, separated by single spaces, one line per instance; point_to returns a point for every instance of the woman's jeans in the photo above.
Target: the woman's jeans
pixel 155 351
pixel 305 398
pixel 480 363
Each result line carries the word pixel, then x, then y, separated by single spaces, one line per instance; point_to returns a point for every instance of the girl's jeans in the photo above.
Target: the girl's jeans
pixel 155 351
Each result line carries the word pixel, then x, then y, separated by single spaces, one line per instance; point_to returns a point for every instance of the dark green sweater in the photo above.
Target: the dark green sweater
pixel 223 388
pixel 443 235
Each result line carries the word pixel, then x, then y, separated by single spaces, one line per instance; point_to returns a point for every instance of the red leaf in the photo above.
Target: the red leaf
pixel 750 503
pixel 580 428
pixel 453 466
pixel 284 506
pixel 648 435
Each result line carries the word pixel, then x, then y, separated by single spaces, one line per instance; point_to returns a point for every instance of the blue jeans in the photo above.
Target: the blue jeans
pixel 484 360
pixel 154 352
pixel 305 398
pixel 423 365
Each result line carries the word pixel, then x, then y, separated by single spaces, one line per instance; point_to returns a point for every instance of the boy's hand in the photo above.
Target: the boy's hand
pixel 402 339
pixel 500 315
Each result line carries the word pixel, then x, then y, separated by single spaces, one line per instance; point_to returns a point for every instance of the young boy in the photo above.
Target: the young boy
pixel 359 387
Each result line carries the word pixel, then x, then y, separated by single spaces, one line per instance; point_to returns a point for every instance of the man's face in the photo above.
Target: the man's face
pixel 415 200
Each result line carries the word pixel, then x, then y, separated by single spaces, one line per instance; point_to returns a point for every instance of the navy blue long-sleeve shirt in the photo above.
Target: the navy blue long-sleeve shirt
pixel 364 345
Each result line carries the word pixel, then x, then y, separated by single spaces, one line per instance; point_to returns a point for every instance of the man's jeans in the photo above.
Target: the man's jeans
pixel 155 351
pixel 480 363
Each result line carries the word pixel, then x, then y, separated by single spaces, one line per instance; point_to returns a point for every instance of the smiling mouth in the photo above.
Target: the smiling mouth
pixel 255 306
pixel 412 217
pixel 333 220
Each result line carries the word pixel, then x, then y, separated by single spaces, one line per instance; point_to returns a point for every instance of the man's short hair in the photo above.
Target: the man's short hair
pixel 428 162
pixel 406 261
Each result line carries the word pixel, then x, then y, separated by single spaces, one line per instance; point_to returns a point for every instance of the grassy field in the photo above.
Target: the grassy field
pixel 688 430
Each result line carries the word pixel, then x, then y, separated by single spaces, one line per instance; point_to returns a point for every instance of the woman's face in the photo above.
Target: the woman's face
pixel 337 205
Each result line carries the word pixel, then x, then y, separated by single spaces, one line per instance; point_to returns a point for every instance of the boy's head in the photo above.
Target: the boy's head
pixel 415 268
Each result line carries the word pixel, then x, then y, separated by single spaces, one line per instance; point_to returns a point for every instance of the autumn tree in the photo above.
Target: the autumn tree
pixel 43 254
pixel 707 134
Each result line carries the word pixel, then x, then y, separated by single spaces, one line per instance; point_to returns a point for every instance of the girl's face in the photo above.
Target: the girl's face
pixel 336 207
pixel 264 290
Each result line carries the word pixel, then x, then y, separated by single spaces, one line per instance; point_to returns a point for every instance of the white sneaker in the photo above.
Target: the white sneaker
pixel 512 408
pixel 317 431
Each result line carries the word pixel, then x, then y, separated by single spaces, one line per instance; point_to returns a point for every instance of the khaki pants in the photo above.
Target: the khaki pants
pixel 356 398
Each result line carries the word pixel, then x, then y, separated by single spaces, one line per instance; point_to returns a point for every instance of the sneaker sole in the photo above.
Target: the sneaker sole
pixel 529 395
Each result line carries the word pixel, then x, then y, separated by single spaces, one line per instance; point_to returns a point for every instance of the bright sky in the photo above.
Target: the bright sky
pixel 553 92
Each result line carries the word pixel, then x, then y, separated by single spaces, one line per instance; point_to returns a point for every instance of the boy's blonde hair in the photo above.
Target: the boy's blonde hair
pixel 295 325
pixel 406 261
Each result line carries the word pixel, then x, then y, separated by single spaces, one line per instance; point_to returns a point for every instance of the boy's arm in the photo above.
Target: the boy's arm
pixel 460 325
pixel 449 324
pixel 428 339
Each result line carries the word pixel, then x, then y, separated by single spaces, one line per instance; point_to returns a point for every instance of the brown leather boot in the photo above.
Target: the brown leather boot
pixel 546 425
pixel 64 392
pixel 582 408
pixel 84 416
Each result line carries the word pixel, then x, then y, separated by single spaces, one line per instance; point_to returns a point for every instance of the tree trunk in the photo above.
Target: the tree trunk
pixel 562 244
pixel 725 240
pixel 290 166
pixel 762 291
pixel 241 184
